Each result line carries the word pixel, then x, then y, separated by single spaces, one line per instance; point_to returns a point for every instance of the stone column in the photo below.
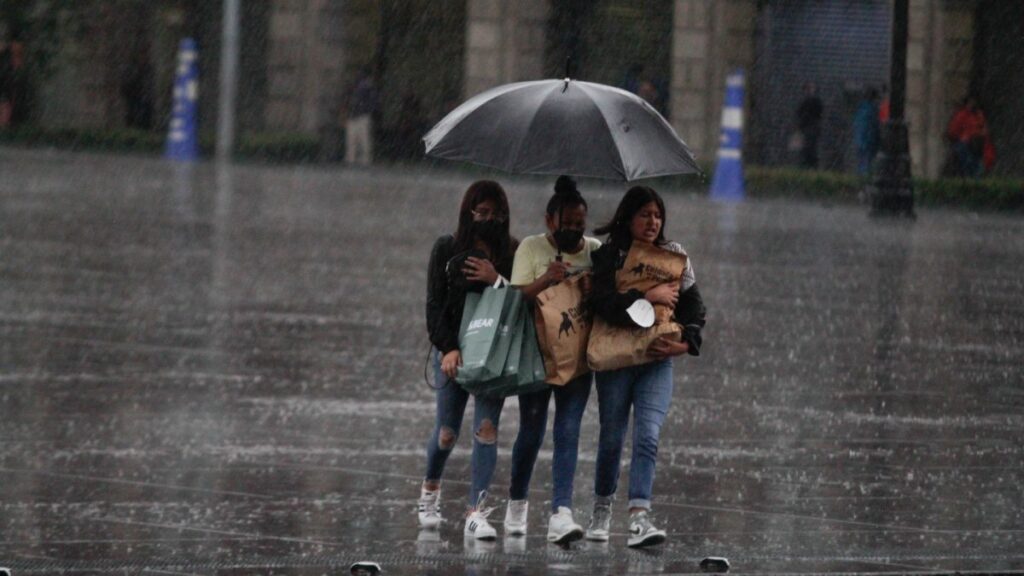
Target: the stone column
pixel 709 39
pixel 504 43
pixel 939 64
pixel 305 65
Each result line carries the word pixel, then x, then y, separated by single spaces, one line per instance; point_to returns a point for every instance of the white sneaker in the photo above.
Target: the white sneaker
pixel 600 521
pixel 562 529
pixel 429 508
pixel 515 517
pixel 642 532
pixel 477 525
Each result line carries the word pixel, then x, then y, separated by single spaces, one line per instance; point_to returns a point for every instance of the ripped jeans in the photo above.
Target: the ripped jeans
pixel 451 407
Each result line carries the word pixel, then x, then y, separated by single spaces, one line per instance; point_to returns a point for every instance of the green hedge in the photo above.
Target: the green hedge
pixel 977 194
pixel 284 147
pixel 119 139
pixel 279 147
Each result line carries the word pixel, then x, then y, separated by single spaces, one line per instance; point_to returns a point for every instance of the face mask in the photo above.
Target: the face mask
pixel 489 231
pixel 567 239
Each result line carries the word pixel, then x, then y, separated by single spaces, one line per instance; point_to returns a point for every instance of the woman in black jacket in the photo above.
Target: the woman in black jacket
pixel 646 390
pixel 474 257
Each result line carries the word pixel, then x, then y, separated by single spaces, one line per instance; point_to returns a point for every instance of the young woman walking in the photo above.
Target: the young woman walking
pixel 480 250
pixel 646 389
pixel 542 261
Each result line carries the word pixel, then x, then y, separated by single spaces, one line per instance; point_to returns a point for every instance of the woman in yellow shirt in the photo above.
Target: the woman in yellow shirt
pixel 541 261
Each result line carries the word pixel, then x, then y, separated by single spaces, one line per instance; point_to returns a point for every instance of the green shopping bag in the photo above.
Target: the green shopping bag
pixel 485 335
pixel 531 361
pixel 506 384
pixel 524 367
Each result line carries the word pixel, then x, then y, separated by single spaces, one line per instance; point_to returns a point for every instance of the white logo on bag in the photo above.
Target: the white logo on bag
pixel 481 323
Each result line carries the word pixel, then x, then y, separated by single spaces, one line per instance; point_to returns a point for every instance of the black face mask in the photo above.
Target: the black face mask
pixel 489 231
pixel 567 239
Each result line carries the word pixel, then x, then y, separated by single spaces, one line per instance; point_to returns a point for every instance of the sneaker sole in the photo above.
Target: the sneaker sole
pixel 649 540
pixel 515 531
pixel 597 537
pixel 570 536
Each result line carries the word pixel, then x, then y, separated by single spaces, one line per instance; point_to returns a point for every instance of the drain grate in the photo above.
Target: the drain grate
pixel 564 559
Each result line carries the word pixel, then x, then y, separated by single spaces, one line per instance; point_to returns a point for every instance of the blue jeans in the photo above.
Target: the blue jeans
pixel 485 452
pixel 647 389
pixel 865 158
pixel 570 402
pixel 451 407
pixel 968 159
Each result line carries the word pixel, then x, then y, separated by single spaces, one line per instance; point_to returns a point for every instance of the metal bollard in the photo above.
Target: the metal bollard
pixel 365 569
pixel 714 564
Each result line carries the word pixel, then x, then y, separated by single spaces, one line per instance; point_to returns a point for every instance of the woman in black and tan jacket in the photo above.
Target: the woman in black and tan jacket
pixel 480 251
pixel 646 389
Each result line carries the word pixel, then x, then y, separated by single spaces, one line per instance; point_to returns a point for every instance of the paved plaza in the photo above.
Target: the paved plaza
pixel 220 371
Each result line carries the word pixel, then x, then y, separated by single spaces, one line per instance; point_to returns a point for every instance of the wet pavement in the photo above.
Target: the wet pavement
pixel 221 372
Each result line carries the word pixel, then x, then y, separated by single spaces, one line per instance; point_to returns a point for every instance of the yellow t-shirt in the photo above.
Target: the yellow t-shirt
pixel 535 253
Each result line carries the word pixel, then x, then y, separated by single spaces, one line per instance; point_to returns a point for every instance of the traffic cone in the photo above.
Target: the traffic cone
pixel 727 183
pixel 182 138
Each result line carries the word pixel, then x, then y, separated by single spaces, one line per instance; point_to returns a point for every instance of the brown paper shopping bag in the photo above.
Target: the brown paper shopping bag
pixel 612 347
pixel 563 326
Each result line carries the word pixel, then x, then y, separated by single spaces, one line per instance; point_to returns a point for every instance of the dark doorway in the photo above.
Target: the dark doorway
pixel 617 42
pixel 420 64
pixel 842 46
pixel 999 85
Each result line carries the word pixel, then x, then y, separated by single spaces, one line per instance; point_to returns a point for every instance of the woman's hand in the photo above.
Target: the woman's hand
pixel 666 294
pixel 480 270
pixel 663 348
pixel 586 285
pixel 450 363
pixel 556 271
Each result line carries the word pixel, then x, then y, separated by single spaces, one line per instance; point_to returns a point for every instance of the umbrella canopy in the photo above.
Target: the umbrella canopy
pixel 562 127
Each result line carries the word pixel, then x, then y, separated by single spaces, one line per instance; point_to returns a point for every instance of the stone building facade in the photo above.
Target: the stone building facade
pixel 301 56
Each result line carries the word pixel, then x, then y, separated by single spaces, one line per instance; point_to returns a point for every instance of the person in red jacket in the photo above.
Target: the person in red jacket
pixel 968 134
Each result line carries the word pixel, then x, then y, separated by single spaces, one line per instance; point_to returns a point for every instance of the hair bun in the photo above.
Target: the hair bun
pixel 565 185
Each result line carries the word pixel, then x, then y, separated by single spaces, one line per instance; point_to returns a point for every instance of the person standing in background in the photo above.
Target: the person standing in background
pixel 968 133
pixel 10 63
pixel 866 131
pixel 359 121
pixel 808 122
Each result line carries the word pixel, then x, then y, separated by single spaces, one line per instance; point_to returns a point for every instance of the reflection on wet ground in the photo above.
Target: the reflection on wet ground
pixel 208 371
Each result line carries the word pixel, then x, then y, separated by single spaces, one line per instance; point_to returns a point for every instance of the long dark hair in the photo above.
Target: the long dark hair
pixel 636 198
pixel 482 191
pixel 566 196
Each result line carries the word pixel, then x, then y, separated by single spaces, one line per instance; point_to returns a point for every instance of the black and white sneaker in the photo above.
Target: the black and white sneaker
pixel 428 509
pixel 477 525
pixel 642 532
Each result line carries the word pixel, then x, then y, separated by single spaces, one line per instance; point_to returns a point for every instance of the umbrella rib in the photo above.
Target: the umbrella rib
pixel 455 117
pixel 518 148
pixel 556 93
pixel 615 134
pixel 611 128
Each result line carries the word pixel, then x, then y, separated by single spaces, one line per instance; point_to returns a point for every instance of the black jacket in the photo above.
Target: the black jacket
pixel 610 304
pixel 446 297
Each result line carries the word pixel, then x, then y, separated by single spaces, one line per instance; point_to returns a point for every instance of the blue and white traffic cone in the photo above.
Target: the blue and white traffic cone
pixel 727 183
pixel 182 139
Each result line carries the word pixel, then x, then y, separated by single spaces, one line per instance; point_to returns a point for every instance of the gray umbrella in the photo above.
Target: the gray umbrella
pixel 562 127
